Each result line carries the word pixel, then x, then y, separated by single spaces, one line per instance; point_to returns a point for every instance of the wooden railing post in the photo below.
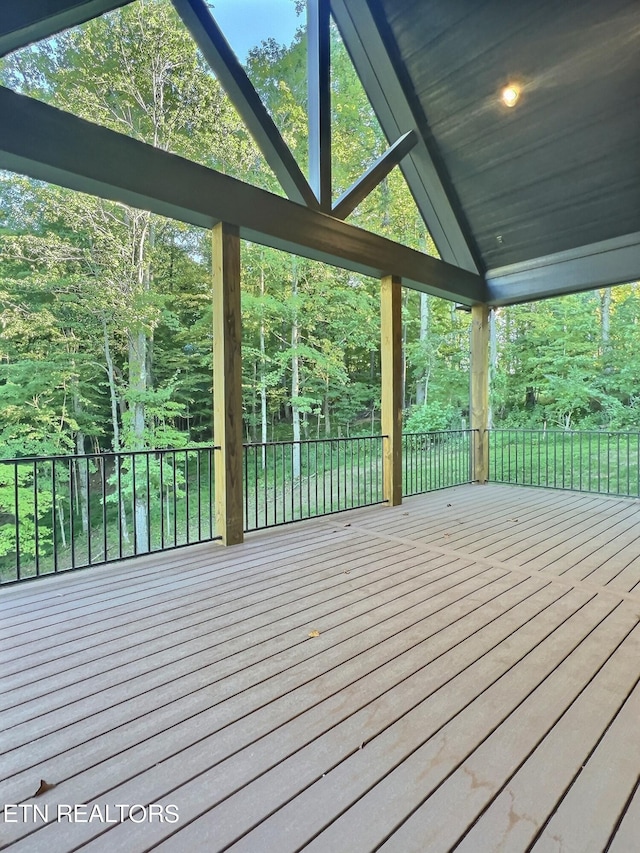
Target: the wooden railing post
pixel 391 363
pixel 479 403
pixel 227 383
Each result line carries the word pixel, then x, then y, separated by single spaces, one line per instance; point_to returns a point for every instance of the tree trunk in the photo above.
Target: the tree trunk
pixel 82 490
pixel 251 428
pixel 422 385
pixel 140 351
pixel 263 376
pixel 327 411
pixel 63 534
pixel 115 425
pixel 605 322
pixel 295 373
pixel 138 387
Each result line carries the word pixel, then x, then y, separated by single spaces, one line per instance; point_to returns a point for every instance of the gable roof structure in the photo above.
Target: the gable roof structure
pixel 546 194
pixel 523 203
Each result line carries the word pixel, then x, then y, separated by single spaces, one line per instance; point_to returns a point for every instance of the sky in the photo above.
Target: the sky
pixel 246 23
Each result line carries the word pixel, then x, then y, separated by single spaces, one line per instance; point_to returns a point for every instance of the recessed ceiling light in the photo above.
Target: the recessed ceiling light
pixel 510 95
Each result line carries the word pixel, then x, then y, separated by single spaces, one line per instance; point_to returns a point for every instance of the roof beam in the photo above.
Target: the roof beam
pixel 51 145
pixel 25 22
pixel 376 173
pixel 384 90
pixel 224 63
pixel 319 100
pixel 603 264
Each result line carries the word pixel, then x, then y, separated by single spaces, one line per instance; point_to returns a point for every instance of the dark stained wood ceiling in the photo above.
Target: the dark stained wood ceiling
pixel 561 169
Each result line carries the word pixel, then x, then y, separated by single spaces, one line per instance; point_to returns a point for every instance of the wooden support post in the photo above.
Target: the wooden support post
pixel 391 358
pixel 227 383
pixel 479 403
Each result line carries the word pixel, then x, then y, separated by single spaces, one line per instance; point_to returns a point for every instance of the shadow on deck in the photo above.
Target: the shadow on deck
pixel 458 672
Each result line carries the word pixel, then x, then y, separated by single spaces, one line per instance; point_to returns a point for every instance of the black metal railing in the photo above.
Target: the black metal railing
pixel 66 512
pixel 585 461
pixel 287 481
pixel 59 513
pixel 436 460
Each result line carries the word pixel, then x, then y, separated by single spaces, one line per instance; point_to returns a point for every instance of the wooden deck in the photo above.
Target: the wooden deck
pixel 458 672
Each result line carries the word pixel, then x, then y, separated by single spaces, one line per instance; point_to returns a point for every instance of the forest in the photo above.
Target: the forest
pixel 105 310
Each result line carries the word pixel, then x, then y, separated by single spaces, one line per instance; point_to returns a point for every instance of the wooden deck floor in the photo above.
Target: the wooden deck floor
pixel 459 672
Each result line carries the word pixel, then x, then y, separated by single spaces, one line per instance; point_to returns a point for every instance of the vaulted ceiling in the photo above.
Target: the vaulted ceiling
pixel 523 202
pixel 545 194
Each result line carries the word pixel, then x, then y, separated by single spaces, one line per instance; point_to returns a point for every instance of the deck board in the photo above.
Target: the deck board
pixel 515 816
pixel 223 610
pixel 474 682
pixel 231 650
pixel 481 777
pixel 586 817
pixel 424 747
pixel 627 832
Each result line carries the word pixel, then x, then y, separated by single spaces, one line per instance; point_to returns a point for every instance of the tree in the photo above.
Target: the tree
pixel 148 81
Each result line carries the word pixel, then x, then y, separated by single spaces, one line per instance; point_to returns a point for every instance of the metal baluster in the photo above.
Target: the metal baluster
pixel 162 531
pixel 120 503
pixel 88 487
pixel 581 461
pixel 628 437
pixel 186 494
pixel 134 495
pixel 54 526
pixel 72 531
pixel 199 492
pixel 16 515
pixel 103 493
pixel 174 463
pixel 36 523
pixel 212 474
pixel 245 473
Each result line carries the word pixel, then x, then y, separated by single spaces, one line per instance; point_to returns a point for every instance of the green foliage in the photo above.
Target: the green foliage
pixel 569 362
pixel 106 311
pixel 25 508
pixel 432 417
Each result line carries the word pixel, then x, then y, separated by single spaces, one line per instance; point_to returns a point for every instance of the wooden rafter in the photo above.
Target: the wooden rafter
pixel 376 173
pixel 319 100
pixel 381 82
pixel 224 63
pixel 51 145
